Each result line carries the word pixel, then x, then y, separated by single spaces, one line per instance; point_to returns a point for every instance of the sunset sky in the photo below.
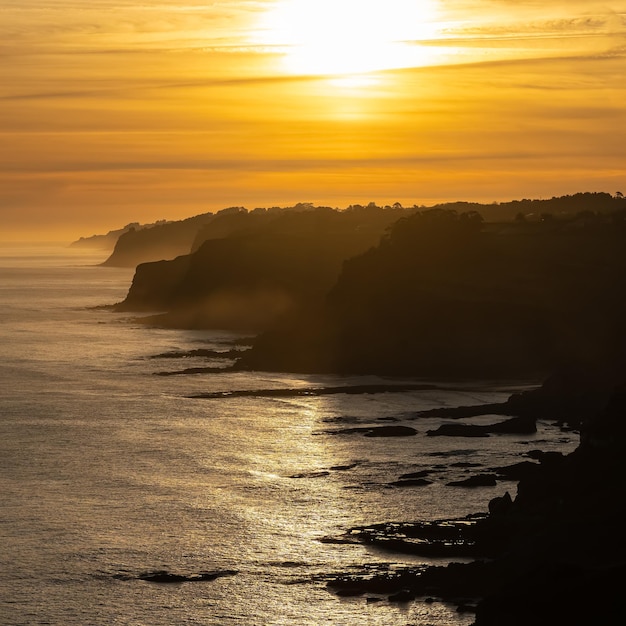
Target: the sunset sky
pixel 114 111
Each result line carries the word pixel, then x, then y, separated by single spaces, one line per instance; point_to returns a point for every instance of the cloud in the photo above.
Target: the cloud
pixel 128 88
pixel 324 164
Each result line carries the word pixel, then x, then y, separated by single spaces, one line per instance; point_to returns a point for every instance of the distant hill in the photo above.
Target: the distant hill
pixel 104 242
pixel 164 240
pixel 538 209
pixel 135 244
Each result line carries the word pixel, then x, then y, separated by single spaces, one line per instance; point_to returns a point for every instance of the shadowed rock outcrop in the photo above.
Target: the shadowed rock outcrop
pixel 552 555
pixel 376 431
pixel 515 426
pixel 568 395
pixel 445 295
pixel 167 577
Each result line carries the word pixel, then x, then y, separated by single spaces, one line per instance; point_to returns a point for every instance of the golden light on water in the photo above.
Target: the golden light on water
pixel 347 37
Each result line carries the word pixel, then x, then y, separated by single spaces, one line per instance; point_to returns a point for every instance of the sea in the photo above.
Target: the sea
pixel 112 466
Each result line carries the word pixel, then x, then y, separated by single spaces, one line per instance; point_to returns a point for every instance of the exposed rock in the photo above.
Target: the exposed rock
pixel 458 430
pixel 343 468
pixel 567 396
pixel 525 425
pixel 441 538
pixel 553 457
pixel 501 504
pixel 375 431
pixel 349 592
pixel 190 371
pixel 480 480
pixel 513 426
pixel 391 431
pixel 200 352
pixel 461 412
pixel 517 471
pixel 404 595
pixel 411 482
pixel 164 576
pixel 315 391
pixel 555 554
pixel 144 295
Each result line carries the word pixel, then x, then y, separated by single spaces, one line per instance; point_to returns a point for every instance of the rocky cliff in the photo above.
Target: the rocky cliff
pixel 251 268
pixel 445 295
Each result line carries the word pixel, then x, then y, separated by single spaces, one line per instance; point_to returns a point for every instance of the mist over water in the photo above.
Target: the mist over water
pixel 108 471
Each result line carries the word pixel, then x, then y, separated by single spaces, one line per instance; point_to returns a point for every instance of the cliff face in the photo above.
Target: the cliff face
pixel 264 266
pixel 229 222
pixel 161 241
pixel 155 285
pixel 444 296
pixel 563 561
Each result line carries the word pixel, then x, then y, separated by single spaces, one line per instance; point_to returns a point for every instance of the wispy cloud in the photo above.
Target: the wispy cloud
pixel 122 103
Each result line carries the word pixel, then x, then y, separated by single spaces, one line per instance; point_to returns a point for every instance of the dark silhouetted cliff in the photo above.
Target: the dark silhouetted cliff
pixel 159 241
pixel 445 295
pixel 166 240
pixel 589 203
pixel 552 554
pixel 104 242
pixel 251 268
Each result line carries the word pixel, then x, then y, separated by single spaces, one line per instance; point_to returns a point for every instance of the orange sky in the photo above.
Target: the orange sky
pixel 115 111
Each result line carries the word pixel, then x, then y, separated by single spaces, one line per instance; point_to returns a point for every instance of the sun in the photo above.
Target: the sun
pixel 340 37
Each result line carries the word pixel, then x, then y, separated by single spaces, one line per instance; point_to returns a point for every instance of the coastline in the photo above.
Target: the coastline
pixel 539 557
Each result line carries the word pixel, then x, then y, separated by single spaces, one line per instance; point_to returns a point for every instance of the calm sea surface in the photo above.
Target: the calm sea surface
pixel 108 470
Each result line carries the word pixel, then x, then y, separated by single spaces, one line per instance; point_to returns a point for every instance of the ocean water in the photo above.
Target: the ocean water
pixel 109 470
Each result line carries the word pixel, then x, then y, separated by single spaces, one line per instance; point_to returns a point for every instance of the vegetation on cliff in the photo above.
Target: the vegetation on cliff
pixel 445 294
pixel 167 239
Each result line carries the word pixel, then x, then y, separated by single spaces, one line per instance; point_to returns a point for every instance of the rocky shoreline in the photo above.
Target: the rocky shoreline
pixel 553 554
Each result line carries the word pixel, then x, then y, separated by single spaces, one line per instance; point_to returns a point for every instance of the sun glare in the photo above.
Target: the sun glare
pixel 344 37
